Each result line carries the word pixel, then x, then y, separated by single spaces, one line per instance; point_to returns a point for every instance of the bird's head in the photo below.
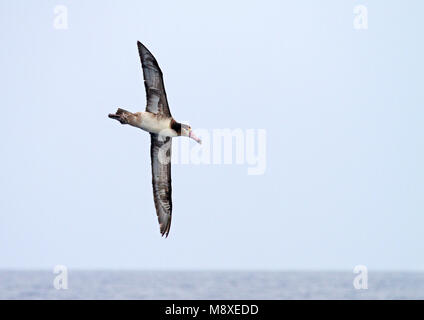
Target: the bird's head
pixel 187 132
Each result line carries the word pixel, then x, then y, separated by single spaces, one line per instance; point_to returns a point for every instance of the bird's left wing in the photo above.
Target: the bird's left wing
pixel 160 152
pixel 153 82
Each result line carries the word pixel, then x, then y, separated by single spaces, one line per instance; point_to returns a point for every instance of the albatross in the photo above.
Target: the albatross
pixel 158 121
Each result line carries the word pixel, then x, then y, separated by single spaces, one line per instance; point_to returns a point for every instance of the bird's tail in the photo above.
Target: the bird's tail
pixel 121 115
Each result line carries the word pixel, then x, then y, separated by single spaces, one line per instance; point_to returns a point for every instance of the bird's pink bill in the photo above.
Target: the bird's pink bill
pixel 194 137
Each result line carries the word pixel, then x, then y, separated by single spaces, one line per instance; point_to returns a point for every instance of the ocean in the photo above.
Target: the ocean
pixel 209 285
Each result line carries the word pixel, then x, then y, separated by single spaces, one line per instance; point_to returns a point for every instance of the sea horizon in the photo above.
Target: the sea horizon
pixel 116 284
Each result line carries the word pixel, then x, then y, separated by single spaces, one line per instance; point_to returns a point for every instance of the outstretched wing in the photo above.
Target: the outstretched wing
pixel 153 81
pixel 160 152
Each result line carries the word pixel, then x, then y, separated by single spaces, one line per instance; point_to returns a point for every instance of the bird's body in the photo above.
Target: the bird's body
pixel 157 124
pixel 152 123
pixel 157 120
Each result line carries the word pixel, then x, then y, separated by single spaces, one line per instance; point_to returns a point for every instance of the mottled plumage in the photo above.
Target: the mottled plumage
pixel 158 121
pixel 157 102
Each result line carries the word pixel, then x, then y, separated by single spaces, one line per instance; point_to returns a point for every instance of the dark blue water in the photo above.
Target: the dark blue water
pixel 210 285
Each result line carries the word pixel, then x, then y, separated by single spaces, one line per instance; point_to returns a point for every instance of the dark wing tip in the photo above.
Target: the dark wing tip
pixel 142 49
pixel 147 58
pixel 165 227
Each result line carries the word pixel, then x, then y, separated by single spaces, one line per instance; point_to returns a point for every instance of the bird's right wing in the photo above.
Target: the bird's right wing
pixel 153 81
pixel 160 152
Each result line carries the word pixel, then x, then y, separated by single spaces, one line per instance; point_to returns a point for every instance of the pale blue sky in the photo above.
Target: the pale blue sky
pixel 343 110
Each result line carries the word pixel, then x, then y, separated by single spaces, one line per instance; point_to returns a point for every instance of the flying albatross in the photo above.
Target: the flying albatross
pixel 158 121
